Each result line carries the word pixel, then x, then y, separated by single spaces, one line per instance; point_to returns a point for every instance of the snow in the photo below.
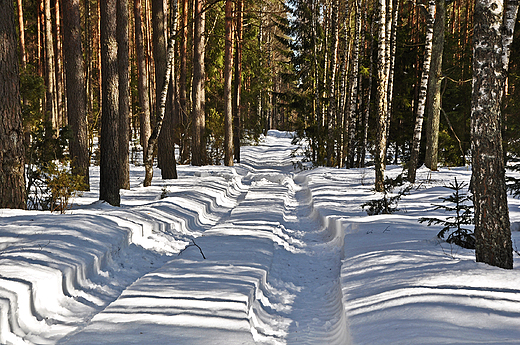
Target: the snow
pixel 291 258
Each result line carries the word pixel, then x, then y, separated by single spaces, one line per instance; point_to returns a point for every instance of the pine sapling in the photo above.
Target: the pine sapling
pixel 462 206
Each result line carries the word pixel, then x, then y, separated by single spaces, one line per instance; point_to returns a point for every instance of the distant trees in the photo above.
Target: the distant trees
pixel 12 182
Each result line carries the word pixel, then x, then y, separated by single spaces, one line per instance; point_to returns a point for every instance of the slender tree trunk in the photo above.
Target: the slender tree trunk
pixel 124 92
pixel 21 26
pixel 434 87
pixel 142 86
pixel 493 23
pixel 198 92
pixel 109 148
pixel 168 76
pixel 50 71
pixel 392 43
pixel 343 107
pixel 369 93
pixel 332 96
pixel 183 103
pixel 12 167
pixel 381 100
pixel 238 79
pixel 228 75
pixel 353 92
pixel 60 86
pixel 76 92
pixel 416 143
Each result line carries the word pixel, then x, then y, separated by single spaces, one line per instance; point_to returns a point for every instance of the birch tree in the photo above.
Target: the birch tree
pixel 494 24
pixel 416 143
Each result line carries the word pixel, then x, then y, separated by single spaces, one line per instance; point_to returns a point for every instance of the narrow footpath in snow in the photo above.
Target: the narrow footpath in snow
pixel 284 290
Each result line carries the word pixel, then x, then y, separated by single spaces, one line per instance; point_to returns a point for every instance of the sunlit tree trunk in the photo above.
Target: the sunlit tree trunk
pixel 228 74
pixel 492 37
pixel 12 168
pixel 50 71
pixel 434 87
pixel 21 26
pixel 416 143
pixel 198 93
pixel 76 92
pixel 183 72
pixel 381 100
pixel 366 115
pixel 144 99
pixel 109 148
pixel 238 80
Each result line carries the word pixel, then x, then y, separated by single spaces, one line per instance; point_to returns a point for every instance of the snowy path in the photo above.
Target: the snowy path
pixel 286 290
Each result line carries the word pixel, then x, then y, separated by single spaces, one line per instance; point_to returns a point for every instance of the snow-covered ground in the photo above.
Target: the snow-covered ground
pixel 255 254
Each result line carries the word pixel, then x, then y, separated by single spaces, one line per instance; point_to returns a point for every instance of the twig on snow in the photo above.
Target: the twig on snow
pixel 193 244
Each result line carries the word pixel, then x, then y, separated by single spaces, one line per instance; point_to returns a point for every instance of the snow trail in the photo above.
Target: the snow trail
pixel 286 290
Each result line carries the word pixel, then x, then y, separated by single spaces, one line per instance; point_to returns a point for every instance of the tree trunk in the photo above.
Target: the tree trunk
pixel 76 92
pixel 492 227
pixel 170 63
pixel 183 103
pixel 228 75
pixel 238 80
pixel 366 114
pixel 60 86
pixel 50 71
pixel 198 92
pixel 142 86
pixel 21 25
pixel 123 65
pixel 381 100
pixel 109 149
pixel 392 43
pixel 434 88
pixel 12 167
pixel 416 144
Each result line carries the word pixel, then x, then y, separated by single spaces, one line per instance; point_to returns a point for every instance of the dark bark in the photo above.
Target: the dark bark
pixel 198 92
pixel 124 92
pixel 12 168
pixel 50 71
pixel 492 227
pixel 109 149
pixel 168 76
pixel 228 75
pixel 142 86
pixel 76 91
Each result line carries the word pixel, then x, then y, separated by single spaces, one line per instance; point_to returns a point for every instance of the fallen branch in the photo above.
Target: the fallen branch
pixel 193 244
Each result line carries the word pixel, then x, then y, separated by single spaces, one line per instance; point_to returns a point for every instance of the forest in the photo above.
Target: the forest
pixel 121 82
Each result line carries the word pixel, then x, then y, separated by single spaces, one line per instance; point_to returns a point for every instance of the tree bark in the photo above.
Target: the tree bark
pixel 434 88
pixel 381 100
pixel 109 149
pixel 228 75
pixel 238 80
pixel 76 91
pixel 490 63
pixel 50 71
pixel 21 26
pixel 183 72
pixel 416 143
pixel 142 86
pixel 123 65
pixel 168 76
pixel 12 167
pixel 198 92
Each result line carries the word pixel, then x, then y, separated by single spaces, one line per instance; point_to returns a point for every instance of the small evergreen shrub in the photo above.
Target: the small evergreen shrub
pixel 388 203
pixel 462 205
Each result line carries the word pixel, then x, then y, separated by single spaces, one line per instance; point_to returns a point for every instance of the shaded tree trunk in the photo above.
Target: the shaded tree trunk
pixel 142 83
pixel 493 22
pixel 416 143
pixel 124 92
pixel 198 92
pixel 434 87
pixel 228 75
pixel 76 92
pixel 183 103
pixel 238 79
pixel 109 148
pixel 12 168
